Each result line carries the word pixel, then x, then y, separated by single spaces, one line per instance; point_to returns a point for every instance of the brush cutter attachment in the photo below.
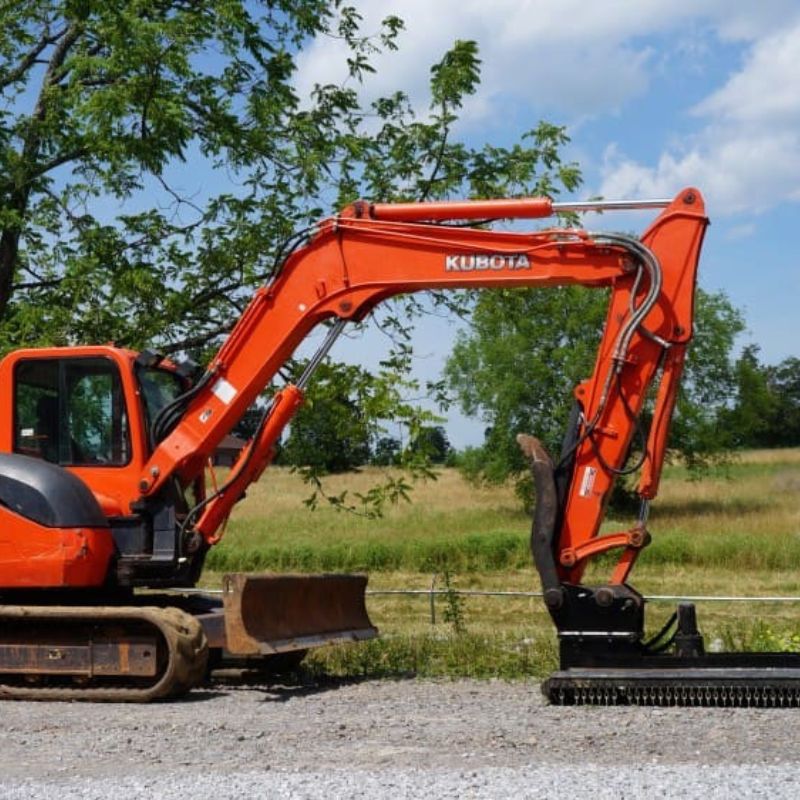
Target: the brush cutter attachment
pixel 604 656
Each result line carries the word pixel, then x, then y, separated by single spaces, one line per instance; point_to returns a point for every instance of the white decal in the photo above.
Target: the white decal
pixel 224 391
pixel 206 416
pixel 587 482
pixel 472 262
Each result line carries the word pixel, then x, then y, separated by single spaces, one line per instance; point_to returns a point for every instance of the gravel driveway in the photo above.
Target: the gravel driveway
pixel 393 739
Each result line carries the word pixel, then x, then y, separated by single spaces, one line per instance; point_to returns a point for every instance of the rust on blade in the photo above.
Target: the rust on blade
pixel 275 613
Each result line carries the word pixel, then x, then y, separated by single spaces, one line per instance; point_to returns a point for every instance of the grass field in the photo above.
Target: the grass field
pixel 737 532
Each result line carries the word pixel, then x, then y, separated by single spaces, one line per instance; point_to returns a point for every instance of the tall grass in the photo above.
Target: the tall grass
pixel 507 655
pixel 735 532
pixel 497 550
pixel 747 518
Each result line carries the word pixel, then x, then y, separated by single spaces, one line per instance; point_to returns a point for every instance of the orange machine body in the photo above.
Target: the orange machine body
pixel 34 556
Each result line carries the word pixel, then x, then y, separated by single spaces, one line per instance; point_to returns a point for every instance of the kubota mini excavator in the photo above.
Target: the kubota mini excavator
pixel 103 452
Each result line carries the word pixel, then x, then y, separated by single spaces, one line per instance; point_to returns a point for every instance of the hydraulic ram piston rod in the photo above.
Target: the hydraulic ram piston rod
pixel 609 205
pixel 516 208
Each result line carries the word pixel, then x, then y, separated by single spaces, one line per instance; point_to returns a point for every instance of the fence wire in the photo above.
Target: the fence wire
pixel 656 598
pixel 653 598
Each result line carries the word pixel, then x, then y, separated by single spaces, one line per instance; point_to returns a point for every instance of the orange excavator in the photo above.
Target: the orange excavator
pixel 105 515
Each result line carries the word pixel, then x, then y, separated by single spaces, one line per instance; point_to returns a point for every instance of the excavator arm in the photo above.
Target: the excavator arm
pixel 372 252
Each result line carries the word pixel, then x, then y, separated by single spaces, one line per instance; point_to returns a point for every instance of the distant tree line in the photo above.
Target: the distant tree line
pixel 754 405
pixel 765 411
pixel 312 442
pixel 338 428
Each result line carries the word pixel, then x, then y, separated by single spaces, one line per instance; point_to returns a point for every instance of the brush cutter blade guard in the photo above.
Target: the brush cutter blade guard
pixel 267 614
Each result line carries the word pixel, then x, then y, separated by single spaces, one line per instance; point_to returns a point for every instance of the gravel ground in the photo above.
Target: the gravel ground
pixel 389 740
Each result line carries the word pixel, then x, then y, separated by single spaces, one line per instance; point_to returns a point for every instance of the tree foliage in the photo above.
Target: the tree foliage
pixel 387 451
pixel 708 383
pixel 343 423
pixel 156 154
pixel 119 120
pixel 526 350
pixel 331 433
pixel 784 383
pixel 766 409
pixel 431 441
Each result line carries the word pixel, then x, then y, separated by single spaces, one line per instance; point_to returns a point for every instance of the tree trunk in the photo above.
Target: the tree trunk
pixel 9 248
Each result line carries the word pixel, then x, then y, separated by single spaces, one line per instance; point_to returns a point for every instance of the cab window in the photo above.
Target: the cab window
pixel 159 388
pixel 71 411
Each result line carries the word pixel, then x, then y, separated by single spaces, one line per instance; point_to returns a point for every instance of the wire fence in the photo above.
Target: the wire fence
pixel 656 598
pixel 432 593
pixel 652 598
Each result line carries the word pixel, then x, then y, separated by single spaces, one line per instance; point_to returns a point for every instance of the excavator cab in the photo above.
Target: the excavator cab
pixel 83 409
pixel 81 417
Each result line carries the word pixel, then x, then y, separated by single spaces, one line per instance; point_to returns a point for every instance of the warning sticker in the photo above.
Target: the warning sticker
pixel 587 481
pixel 224 391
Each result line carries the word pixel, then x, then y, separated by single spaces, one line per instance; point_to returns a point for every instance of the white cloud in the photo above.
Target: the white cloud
pixel 765 91
pixel 743 231
pixel 569 57
pixel 569 60
pixel 746 156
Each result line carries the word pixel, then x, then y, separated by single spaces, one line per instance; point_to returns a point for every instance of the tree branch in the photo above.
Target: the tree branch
pixel 37 284
pixel 211 294
pixel 197 341
pixel 57 161
pixel 439 158
pixel 177 197
pixel 28 60
pixel 54 71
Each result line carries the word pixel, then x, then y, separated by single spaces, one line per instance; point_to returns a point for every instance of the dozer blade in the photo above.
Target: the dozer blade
pixel 266 614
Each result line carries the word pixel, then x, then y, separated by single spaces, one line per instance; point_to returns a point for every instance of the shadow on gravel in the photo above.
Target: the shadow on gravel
pixel 280 688
pixel 201 695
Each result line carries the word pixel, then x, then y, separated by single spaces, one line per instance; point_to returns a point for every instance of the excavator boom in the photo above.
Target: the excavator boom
pixel 372 252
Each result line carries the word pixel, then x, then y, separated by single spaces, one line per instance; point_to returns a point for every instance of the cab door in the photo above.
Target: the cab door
pixel 77 408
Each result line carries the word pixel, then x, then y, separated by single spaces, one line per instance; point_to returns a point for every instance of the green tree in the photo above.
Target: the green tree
pixel 784 383
pixel 708 384
pixel 386 452
pixel 432 442
pixel 331 433
pixel 747 421
pixel 766 409
pixel 118 119
pixel 343 416
pixel 526 350
pixel 155 156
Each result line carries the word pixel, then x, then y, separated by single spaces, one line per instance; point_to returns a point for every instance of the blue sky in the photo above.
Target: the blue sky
pixel 656 96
